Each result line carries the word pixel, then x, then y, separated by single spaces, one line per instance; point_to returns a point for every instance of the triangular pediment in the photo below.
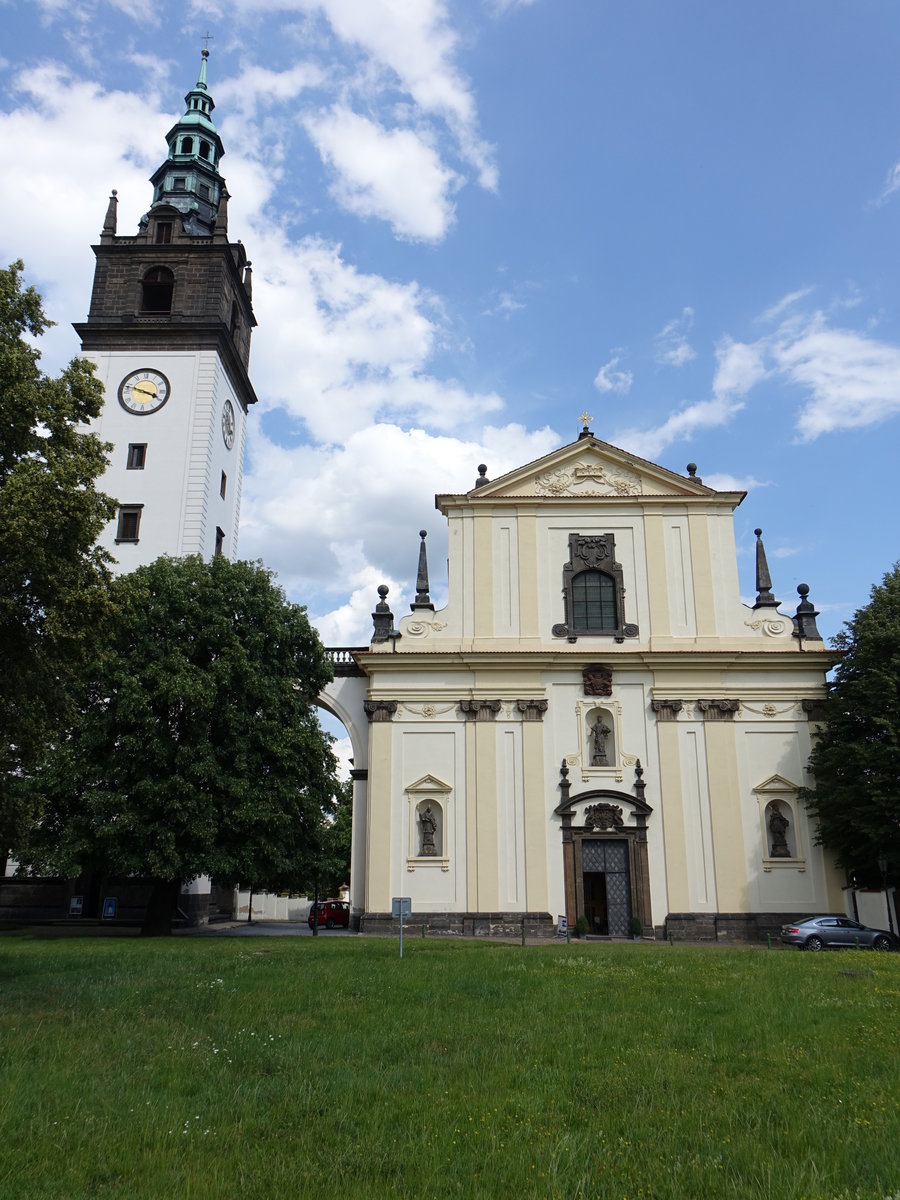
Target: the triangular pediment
pixel 429 784
pixel 591 468
pixel 776 783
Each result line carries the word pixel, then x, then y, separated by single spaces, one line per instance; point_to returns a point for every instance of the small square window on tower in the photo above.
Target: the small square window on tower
pixel 163 233
pixel 137 456
pixel 223 484
pixel 129 524
pixel 179 183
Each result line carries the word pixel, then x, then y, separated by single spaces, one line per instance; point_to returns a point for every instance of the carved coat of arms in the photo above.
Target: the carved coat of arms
pixel 603 817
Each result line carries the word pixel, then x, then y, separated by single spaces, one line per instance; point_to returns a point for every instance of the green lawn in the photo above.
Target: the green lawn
pixel 269 1069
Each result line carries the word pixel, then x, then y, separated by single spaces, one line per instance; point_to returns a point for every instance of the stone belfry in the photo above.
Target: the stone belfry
pixel 169 331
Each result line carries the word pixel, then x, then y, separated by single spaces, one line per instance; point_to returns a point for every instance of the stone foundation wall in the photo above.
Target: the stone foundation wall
pixel 726 927
pixel 509 925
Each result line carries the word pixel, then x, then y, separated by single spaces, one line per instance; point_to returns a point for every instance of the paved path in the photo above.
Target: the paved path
pixel 259 929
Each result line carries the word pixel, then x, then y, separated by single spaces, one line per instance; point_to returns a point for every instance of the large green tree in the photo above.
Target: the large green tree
pixel 197 749
pixel 856 757
pixel 53 598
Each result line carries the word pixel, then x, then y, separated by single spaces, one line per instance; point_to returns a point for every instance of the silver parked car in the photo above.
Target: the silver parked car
pixel 815 933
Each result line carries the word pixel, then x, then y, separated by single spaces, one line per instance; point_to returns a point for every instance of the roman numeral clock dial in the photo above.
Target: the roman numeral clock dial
pixel 144 392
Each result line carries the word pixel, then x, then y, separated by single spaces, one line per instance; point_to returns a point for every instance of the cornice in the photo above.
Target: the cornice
pixel 769 659
pixel 179 333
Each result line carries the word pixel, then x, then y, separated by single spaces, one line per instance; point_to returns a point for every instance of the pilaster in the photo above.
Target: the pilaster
pixel 725 815
pixel 380 812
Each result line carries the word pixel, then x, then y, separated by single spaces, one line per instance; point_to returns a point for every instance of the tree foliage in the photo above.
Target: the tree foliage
pixel 856 758
pixel 333 868
pixel 53 599
pixel 197 749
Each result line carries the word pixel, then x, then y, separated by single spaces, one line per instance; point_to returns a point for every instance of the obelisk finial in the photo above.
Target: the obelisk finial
pixel 423 600
pixel 764 597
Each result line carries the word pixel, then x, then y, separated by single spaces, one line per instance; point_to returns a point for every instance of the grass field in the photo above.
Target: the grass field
pixel 212 1069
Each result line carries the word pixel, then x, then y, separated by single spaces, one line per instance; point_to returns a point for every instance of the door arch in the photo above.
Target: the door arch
pixel 605 860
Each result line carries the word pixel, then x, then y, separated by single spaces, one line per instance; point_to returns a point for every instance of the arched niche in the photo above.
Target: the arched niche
pixel 428 824
pixel 600 754
pixel 782 824
pixel 600 737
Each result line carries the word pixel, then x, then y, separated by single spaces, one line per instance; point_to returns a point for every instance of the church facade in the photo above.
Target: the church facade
pixel 595 726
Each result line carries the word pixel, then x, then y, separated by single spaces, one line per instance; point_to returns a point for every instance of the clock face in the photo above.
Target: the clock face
pixel 228 423
pixel 144 392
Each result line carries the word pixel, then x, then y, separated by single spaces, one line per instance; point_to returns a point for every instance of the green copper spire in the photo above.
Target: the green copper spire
pixel 189 179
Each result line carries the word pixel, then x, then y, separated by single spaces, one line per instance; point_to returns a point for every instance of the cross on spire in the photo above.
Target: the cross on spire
pixel 207 38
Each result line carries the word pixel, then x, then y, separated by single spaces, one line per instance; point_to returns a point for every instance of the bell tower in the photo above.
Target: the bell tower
pixel 169 331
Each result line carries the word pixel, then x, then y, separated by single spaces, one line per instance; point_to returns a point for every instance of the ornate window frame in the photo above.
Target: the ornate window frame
pixel 593 552
pixel 778 790
pixel 435 792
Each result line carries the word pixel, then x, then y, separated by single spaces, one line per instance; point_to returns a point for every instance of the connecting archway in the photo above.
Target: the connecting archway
pixel 343 698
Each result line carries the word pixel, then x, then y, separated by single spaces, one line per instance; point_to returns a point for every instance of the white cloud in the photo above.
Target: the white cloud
pixel 781 306
pixel 723 482
pixel 504 6
pixel 415 41
pixel 391 174
pixel 890 186
pixel 506 305
pixel 672 346
pixel 739 367
pixel 52 227
pixel 853 381
pixel 258 87
pixel 302 506
pixel 338 348
pixel 850 379
pixel 608 379
pixel 705 414
pixel 350 624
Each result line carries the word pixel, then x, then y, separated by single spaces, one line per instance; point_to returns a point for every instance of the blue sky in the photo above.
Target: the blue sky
pixel 471 221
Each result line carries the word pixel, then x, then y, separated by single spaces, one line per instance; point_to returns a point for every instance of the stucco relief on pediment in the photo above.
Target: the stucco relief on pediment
pixel 586 479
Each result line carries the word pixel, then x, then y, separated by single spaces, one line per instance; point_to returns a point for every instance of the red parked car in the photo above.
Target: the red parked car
pixel 330 913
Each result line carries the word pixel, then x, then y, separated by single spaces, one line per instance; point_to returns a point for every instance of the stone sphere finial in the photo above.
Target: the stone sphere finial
pixel 423 533
pixel 383 590
pixel 758 532
pixel 803 590
pixel 692 469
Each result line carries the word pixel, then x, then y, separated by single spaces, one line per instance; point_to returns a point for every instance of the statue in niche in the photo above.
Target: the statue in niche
pixel 429 828
pixel 599 733
pixel 778 827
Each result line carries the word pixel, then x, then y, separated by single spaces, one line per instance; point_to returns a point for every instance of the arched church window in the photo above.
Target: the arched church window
pixel 157 287
pixel 187 145
pixel 594 590
pixel 205 149
pixel 594 602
